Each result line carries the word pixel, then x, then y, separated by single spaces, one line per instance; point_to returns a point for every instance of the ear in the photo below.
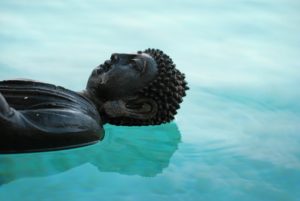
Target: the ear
pixel 141 108
pixel 133 107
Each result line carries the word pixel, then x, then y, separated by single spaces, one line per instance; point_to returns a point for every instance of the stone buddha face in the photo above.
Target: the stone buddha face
pixel 137 89
pixel 122 76
pixel 115 83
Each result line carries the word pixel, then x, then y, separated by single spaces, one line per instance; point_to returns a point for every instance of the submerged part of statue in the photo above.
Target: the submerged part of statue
pixel 129 89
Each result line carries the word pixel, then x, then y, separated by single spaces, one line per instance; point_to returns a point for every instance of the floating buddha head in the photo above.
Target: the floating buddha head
pixel 137 89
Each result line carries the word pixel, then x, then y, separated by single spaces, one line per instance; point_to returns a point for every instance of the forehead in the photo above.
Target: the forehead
pixel 142 56
pixel 135 55
pixel 146 57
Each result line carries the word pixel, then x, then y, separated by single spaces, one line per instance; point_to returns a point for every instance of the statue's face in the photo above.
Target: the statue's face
pixel 122 76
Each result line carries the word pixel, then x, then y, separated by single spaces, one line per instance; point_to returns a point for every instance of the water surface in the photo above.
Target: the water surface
pixel 236 136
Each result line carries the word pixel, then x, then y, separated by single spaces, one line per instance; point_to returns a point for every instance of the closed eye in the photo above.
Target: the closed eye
pixel 139 65
pixel 135 66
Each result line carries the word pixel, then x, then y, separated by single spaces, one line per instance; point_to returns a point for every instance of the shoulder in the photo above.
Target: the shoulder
pixel 21 79
pixel 23 83
pixel 43 93
pixel 27 84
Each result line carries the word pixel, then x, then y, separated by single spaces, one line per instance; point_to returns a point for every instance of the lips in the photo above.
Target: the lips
pixel 103 68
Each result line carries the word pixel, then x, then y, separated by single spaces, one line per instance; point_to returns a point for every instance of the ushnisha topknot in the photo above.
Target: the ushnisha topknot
pixel 167 89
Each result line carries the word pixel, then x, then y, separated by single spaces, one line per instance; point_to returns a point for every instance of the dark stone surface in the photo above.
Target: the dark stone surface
pixel 44 117
pixel 129 89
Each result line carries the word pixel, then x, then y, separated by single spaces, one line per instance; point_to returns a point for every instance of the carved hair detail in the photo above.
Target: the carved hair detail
pixel 167 89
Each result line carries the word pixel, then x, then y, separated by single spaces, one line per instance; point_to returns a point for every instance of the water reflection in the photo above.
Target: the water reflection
pixel 127 150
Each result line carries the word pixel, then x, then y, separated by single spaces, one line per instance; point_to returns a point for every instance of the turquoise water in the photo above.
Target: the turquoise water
pixel 237 134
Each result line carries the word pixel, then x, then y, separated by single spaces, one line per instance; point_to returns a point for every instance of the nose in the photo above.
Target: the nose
pixel 114 57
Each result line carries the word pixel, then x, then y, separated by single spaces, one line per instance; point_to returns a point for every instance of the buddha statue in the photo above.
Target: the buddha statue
pixel 128 89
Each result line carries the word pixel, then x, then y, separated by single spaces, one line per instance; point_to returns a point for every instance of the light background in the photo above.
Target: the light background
pixel 239 124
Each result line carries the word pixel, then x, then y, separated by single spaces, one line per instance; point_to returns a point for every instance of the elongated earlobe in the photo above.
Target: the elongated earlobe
pixel 133 107
pixel 142 108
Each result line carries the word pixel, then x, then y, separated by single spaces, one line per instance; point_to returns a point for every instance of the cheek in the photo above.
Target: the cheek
pixel 123 79
pixel 125 87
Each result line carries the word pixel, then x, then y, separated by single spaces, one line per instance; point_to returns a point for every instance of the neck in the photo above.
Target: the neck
pixel 93 98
